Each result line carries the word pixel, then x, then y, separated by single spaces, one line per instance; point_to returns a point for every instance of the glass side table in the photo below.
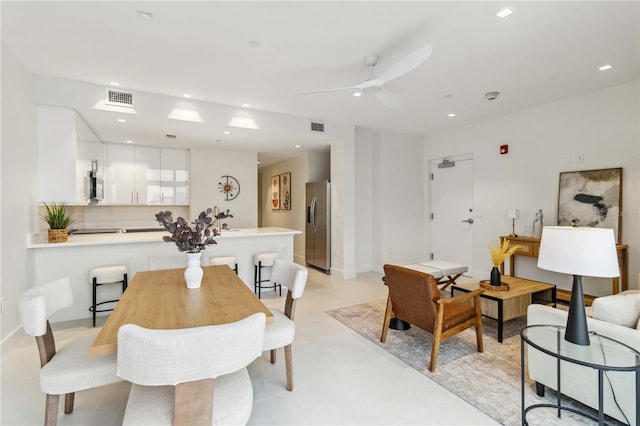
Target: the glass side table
pixel 604 354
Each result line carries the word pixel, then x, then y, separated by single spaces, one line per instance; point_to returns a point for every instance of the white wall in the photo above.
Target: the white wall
pixel 603 126
pixel 206 168
pixel 397 194
pixel 19 185
pixel 364 199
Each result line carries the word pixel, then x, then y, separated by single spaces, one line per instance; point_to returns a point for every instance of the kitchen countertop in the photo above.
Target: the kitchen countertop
pixel 39 240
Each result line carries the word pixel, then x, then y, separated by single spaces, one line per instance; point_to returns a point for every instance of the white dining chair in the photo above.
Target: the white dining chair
pixel 281 331
pixel 190 376
pixel 70 368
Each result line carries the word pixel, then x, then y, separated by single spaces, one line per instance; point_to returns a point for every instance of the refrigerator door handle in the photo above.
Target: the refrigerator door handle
pixel 314 219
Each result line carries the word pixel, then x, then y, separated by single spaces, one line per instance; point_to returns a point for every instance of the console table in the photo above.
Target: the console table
pixel 530 247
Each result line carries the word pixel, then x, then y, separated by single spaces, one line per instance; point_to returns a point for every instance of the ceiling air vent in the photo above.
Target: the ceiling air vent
pixel 122 98
pixel 317 127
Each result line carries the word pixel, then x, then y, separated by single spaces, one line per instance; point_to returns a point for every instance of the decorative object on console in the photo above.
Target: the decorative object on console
pixel 58 220
pixel 592 196
pixel 192 240
pixel 578 251
pixel 537 230
pixel 229 186
pixel 285 191
pixel 513 215
pixel 275 192
pixel 498 256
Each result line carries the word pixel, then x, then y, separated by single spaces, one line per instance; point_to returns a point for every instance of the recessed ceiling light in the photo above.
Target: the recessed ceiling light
pixel 451 115
pixel 129 141
pixel 504 13
pixel 605 67
pixel 227 132
pixel 257 162
pixel 358 93
pixel 246 105
pixel 254 43
pixel 297 146
pixel 114 83
pixel 121 120
pixel 186 95
pixel 147 16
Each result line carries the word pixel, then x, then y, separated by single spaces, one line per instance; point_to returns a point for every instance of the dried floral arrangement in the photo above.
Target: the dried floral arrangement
pixel 192 239
pixel 502 252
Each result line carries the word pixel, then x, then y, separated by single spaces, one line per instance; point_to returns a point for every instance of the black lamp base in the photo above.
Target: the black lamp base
pixel 577 331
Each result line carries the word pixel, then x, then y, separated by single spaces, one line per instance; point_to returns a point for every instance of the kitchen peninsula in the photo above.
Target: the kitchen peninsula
pixel 81 253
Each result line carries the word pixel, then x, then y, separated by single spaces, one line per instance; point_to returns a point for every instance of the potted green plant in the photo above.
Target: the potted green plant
pixel 56 216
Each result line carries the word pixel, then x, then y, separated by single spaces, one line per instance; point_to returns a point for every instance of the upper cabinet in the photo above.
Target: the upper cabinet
pixel 146 175
pixel 66 149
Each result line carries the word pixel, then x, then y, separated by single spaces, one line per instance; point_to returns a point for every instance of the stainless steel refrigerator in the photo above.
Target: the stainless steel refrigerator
pixel 318 226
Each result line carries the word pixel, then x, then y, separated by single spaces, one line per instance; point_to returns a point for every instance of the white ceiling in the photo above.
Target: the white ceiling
pixel 543 52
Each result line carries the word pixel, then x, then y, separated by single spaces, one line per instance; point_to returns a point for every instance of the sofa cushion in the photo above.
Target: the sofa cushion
pixel 622 308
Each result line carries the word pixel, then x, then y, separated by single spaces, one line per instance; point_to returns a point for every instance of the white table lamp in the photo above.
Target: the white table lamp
pixel 580 252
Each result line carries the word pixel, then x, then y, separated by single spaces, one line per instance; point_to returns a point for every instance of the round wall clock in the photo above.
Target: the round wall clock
pixel 229 186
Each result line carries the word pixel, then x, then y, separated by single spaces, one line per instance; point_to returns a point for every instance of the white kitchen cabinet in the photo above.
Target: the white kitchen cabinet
pixel 174 176
pixel 146 175
pixel 66 148
pixel 133 174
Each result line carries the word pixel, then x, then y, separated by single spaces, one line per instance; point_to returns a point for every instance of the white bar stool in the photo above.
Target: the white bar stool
pixel 232 261
pixel 102 276
pixel 263 260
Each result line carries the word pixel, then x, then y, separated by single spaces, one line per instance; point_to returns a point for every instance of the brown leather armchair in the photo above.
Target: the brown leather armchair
pixel 414 297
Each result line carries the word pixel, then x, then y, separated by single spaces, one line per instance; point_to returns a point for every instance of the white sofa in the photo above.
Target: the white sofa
pixel 616 317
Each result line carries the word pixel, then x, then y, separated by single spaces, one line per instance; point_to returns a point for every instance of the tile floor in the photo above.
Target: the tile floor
pixel 339 377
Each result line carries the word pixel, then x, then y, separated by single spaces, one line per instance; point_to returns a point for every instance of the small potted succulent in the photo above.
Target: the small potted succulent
pixel 191 238
pixel 56 216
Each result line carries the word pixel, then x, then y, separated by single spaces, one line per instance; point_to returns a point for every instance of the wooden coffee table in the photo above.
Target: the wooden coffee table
pixel 509 304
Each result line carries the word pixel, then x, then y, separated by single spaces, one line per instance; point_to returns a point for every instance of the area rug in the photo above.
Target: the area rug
pixel 490 380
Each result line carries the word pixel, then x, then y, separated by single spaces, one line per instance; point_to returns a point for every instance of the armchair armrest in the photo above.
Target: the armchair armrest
pixel 460 298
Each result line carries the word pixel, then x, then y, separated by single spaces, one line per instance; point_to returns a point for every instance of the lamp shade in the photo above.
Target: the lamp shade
pixel 589 252
pixel 512 213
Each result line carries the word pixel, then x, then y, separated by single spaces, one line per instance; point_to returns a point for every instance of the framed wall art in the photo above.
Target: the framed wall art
pixel 275 192
pixel 285 191
pixel 594 197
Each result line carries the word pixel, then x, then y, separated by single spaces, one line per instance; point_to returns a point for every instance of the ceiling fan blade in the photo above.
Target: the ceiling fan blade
pixel 408 63
pixel 388 99
pixel 335 89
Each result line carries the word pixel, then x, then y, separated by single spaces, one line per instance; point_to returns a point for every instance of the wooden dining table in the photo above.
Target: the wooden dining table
pixel 161 300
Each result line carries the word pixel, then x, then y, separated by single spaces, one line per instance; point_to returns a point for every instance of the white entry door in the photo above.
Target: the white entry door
pixel 451 201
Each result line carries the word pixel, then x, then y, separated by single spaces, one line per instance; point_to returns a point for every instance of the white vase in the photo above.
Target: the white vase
pixel 193 273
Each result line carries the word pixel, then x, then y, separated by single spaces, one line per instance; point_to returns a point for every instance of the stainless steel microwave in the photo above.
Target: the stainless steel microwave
pixel 93 188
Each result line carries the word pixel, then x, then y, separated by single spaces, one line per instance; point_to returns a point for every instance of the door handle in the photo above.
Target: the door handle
pixel 468 221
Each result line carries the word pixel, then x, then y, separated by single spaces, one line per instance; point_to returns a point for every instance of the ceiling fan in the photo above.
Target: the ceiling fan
pixel 375 84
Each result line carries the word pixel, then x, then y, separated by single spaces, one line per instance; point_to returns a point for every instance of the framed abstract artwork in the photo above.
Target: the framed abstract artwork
pixel 275 192
pixel 593 197
pixel 285 191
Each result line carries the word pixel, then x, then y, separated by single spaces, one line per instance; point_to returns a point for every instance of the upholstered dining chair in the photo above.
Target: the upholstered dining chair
pixel 414 298
pixel 190 376
pixel 70 368
pixel 281 331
